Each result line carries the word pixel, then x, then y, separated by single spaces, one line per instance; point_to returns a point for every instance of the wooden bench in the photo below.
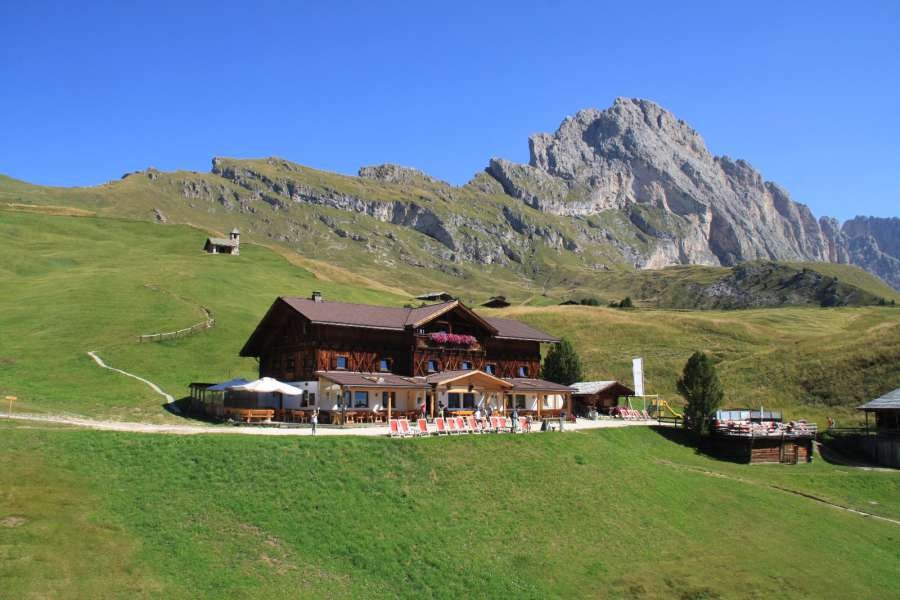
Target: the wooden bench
pixel 248 415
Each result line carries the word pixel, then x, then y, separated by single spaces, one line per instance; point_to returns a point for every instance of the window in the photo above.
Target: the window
pixel 360 399
pixel 466 365
pixel 384 365
pixel 519 401
pixel 289 365
pixel 340 362
pixel 453 400
pixel 523 371
pixel 432 366
pixel 311 399
pixel 468 400
pixel 490 369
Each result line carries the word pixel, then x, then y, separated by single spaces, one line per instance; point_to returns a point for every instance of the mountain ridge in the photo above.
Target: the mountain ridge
pixel 627 187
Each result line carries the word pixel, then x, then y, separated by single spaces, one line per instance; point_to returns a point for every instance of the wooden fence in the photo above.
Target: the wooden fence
pixel 171 335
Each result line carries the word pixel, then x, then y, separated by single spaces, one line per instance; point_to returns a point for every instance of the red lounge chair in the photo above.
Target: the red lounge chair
pixel 473 425
pixel 423 427
pixel 501 425
pixel 395 428
pixel 451 425
pixel 524 426
pixel 404 428
pixel 439 426
pixel 461 425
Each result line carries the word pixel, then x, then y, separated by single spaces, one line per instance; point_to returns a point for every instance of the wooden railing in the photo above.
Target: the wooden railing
pixel 170 335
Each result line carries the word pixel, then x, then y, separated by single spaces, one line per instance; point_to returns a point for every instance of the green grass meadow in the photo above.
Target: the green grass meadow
pixel 619 513
pixel 74 284
pixel 604 514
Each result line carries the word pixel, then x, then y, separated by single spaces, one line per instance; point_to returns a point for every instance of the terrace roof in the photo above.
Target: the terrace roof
pixel 890 401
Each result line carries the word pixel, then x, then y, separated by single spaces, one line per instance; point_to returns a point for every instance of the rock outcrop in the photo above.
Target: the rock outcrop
pixel 873 244
pixel 629 185
pixel 637 153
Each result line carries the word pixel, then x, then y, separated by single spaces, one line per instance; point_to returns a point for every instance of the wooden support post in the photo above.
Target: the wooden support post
pixel 539 403
pixel 390 398
pixel 568 404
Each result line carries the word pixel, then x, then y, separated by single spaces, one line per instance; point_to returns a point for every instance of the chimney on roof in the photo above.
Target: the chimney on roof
pixel 316 297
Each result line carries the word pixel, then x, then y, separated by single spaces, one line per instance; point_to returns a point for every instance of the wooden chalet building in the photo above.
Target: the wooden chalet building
pixel 369 357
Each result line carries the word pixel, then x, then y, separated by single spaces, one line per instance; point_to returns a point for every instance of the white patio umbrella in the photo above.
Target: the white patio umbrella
pixel 267 385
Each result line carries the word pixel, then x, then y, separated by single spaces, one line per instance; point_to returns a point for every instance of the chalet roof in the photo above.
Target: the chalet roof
pixel 431 295
pixel 890 401
pixel 445 377
pixel 221 242
pixel 360 379
pixel 517 330
pixel 369 316
pixel 525 384
pixel 592 387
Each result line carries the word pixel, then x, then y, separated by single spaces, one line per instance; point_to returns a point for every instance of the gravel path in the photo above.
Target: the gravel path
pixel 153 386
pixel 326 430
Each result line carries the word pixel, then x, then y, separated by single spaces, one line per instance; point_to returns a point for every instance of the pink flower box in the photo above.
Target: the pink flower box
pixel 452 339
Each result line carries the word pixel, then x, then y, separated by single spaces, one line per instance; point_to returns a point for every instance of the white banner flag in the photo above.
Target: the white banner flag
pixel 637 369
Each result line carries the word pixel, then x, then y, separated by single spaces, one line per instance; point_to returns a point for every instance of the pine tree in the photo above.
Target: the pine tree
pixel 700 386
pixel 562 364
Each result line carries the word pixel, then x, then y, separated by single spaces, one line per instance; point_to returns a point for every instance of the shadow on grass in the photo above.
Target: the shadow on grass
pixel 182 408
pixel 704 446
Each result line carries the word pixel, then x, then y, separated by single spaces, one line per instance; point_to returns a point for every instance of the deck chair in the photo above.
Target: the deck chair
pixel 423 427
pixel 451 425
pixel 404 428
pixel 473 425
pixel 395 428
pixel 646 415
pixel 524 426
pixel 500 425
pixel 440 427
pixel 461 425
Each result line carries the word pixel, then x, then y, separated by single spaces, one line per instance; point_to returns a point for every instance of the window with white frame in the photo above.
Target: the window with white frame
pixel 360 399
pixel 523 371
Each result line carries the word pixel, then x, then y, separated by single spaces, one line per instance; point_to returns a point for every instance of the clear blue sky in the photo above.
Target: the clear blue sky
pixel 809 93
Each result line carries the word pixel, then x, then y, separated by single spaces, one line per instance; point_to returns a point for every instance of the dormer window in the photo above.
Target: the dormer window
pixel 384 365
pixel 432 366
pixel 340 362
pixel 523 371
pixel 466 365
pixel 490 369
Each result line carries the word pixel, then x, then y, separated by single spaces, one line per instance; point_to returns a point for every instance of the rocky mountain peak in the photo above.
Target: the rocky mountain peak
pixel 638 153
pixel 392 173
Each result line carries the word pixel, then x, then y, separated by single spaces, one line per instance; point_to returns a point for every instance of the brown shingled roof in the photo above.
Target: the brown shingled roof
pixel 517 330
pixel 358 379
pixel 536 385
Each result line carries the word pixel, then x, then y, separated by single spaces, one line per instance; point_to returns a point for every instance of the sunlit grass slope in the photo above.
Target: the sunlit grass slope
pixel 74 284
pixel 608 514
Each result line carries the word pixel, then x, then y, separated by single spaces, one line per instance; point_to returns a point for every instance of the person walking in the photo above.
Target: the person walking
pixel 441 408
pixel 314 419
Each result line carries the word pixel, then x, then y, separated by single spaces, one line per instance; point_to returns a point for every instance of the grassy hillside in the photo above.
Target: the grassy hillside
pixel 809 362
pixel 73 284
pixel 615 513
pixel 540 266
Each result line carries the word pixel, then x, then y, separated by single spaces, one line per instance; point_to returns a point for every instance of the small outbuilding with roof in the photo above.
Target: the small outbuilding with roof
pixel 230 245
pixel 598 395
pixel 884 446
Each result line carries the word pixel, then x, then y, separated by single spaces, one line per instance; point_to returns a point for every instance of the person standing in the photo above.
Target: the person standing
pixel 441 408
pixel 314 419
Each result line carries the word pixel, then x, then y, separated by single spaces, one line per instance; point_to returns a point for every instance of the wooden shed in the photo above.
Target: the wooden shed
pixel 598 395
